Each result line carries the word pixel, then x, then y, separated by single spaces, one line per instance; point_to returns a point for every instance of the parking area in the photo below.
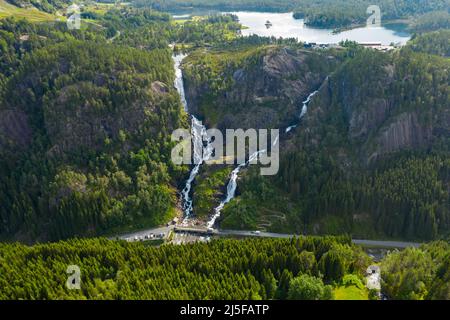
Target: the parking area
pixel 183 238
pixel 146 237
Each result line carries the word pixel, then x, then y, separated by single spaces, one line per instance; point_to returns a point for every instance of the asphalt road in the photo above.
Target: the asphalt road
pixel 243 233
pixel 369 243
pixel 138 235
pixel 386 244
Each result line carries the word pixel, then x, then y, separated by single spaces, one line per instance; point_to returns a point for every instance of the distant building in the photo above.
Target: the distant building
pixel 370 44
pixel 377 46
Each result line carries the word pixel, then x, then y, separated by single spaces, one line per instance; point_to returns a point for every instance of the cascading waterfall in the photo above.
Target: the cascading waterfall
pixel 304 110
pixel 201 142
pixel 232 185
pixel 203 150
pixel 231 188
pixel 179 84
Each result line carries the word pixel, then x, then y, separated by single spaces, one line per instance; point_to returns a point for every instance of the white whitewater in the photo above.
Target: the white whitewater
pixel 231 188
pixel 203 150
pixel 232 185
pixel 179 84
pixel 303 112
pixel 200 140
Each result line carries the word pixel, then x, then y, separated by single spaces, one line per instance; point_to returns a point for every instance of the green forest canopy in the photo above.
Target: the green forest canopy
pixel 301 268
pixel 334 178
pixel 91 150
pixel 319 13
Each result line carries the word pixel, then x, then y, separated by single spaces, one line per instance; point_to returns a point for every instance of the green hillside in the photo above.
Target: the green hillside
pixel 30 13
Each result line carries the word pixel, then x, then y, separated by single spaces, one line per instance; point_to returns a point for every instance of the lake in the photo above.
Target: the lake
pixel 284 25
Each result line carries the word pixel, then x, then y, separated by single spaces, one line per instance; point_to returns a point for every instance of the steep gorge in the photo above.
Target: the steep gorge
pixel 254 87
pixel 85 142
pixel 376 118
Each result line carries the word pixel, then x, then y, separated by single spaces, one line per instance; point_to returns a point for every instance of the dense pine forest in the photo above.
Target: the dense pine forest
pixel 372 155
pixel 303 268
pixel 344 13
pixel 320 13
pixel 44 5
pixel 86 118
pixel 99 167
pixel 436 43
pixel 86 123
pixel 95 121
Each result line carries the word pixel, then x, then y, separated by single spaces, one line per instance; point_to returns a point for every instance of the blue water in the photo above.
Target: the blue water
pixel 284 25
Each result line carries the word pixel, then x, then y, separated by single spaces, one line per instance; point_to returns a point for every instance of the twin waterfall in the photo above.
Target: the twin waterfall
pixel 203 151
pixel 199 137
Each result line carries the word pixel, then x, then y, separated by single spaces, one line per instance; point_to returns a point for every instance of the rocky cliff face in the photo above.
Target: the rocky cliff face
pixel 405 131
pixel 74 125
pixel 15 131
pixel 73 112
pixel 347 167
pixel 265 94
pixel 361 100
pixel 370 114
